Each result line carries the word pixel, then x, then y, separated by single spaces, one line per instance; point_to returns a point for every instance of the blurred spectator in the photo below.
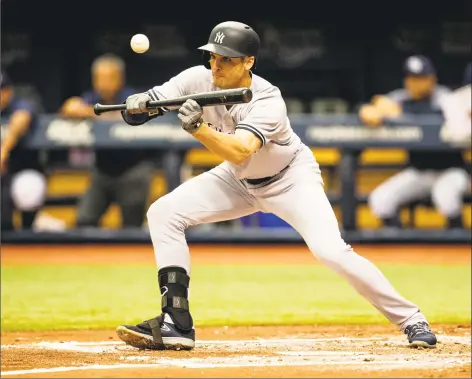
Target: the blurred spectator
pixel 23 183
pixel 453 183
pixel 435 174
pixel 420 94
pixel 457 112
pixel 120 175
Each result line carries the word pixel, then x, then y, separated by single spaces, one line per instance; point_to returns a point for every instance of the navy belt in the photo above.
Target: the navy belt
pixel 257 181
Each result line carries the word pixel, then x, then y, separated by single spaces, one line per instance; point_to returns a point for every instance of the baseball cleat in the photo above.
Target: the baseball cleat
pixel 158 333
pixel 420 335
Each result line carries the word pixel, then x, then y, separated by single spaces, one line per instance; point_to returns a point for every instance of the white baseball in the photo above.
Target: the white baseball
pixel 139 43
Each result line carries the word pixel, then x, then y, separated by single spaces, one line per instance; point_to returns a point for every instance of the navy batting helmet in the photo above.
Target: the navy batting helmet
pixel 233 39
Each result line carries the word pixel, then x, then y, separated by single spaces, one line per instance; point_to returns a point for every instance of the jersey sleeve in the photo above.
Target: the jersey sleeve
pixel 456 108
pixel 398 95
pixel 440 94
pixel 24 105
pixel 264 118
pixel 182 84
pixel 21 104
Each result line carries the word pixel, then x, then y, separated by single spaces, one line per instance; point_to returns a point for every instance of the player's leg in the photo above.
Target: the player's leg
pixel 210 197
pixel 132 193
pixel 93 204
pixel 447 194
pixel 299 199
pixel 406 186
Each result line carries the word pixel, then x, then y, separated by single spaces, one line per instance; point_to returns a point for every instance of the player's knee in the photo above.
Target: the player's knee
pixel 163 212
pixel 159 210
pixel 330 253
pixel 380 204
pixel 445 205
pixel 445 199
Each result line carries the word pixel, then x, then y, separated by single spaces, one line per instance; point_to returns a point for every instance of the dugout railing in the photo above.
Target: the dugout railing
pixel 343 133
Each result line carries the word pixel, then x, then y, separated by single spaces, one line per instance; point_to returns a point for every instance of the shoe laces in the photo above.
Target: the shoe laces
pixel 418 328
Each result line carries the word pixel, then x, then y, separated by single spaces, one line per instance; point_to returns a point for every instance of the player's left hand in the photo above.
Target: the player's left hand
pixel 190 115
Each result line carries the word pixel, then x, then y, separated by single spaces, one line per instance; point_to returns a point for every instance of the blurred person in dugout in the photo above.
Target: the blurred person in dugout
pixel 23 183
pixel 440 174
pixel 119 176
pixel 456 130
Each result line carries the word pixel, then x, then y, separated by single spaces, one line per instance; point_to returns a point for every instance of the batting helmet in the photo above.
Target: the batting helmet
pixel 233 39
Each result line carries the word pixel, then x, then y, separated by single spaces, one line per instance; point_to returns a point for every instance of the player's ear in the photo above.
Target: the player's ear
pixel 248 63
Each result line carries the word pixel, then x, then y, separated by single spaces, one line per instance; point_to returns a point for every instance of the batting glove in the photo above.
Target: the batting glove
pixel 137 103
pixel 190 115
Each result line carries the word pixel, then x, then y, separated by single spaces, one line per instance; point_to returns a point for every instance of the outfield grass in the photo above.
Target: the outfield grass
pixel 104 296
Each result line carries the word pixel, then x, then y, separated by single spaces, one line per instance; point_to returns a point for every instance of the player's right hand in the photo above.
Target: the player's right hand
pixel 137 103
pixel 370 115
pixel 387 107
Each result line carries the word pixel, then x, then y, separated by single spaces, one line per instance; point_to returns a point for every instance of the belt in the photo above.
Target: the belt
pixel 257 181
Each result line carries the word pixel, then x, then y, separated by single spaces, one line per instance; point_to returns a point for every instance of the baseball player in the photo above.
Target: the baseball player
pixel 23 184
pixel 267 168
pixel 453 183
pixel 440 175
pixel 126 184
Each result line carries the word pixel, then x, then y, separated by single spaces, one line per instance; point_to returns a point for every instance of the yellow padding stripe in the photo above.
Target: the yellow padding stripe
pixel 324 156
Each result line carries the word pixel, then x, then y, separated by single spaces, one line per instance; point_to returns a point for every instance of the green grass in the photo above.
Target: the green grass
pixel 99 296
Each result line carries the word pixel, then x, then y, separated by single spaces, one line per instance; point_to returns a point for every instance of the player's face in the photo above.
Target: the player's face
pixel 228 72
pixel 107 80
pixel 420 86
pixel 6 96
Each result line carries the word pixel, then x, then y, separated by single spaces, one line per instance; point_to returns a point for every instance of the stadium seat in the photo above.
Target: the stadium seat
pixel 294 106
pixel 66 186
pixel 329 106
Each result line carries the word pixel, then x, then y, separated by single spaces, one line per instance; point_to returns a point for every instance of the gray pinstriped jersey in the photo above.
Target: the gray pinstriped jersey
pixel 265 116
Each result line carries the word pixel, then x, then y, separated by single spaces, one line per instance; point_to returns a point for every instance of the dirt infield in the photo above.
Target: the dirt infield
pixel 223 254
pixel 282 351
pixel 241 352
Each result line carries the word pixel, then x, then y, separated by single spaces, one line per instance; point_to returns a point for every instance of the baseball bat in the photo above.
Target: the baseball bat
pixel 204 99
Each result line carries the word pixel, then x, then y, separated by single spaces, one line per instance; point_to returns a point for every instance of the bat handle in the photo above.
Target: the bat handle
pixel 98 109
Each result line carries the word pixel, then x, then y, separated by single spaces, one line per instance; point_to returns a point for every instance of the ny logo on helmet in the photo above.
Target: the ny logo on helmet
pixel 219 37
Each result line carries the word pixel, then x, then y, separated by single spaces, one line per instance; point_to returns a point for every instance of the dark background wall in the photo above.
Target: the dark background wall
pixel 348 50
